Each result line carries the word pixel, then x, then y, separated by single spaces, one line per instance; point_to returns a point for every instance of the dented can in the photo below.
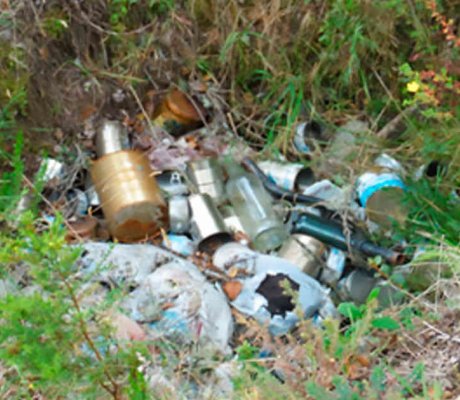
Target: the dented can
pixel 294 176
pixel 179 214
pixel 130 197
pixel 305 252
pixel 177 114
pixel 207 175
pixel 207 225
pixel 111 137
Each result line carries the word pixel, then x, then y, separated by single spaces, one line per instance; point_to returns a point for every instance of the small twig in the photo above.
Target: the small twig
pixel 397 123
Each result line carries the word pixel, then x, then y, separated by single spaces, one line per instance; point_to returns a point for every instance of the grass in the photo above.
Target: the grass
pixel 272 65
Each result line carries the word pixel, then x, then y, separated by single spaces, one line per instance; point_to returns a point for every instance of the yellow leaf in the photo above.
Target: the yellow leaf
pixel 413 87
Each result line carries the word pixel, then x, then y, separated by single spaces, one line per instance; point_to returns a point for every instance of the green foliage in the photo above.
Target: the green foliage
pixel 11 179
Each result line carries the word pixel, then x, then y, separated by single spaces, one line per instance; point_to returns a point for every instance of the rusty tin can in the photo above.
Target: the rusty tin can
pixel 130 197
pixel 177 114
pixel 305 252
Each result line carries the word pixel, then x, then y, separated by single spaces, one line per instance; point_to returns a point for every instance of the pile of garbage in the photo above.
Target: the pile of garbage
pixel 194 235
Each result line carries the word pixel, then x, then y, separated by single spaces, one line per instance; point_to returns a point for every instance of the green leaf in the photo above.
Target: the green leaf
pixel 386 323
pixel 350 310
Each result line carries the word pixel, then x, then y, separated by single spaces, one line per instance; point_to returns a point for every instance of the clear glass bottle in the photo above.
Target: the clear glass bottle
pixel 253 205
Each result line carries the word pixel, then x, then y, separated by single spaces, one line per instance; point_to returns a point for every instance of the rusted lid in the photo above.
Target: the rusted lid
pixel 180 105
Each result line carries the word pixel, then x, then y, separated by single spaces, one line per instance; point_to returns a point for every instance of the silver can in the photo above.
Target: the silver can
pixel 179 214
pixel 294 176
pixel 207 225
pixel 305 136
pixel 356 286
pixel 111 137
pixel 232 221
pixel 172 183
pixel 207 175
pixel 305 252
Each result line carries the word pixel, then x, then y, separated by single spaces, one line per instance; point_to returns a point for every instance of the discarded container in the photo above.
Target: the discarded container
pixel 359 283
pixel 292 176
pixel 179 214
pixel 381 193
pixel 177 114
pixel 334 267
pixel 331 233
pixel 111 137
pixel 130 198
pixel 261 295
pixel 52 169
pixel 207 224
pixel 305 252
pixel 306 134
pixel 253 205
pixel 207 175
pixel 172 183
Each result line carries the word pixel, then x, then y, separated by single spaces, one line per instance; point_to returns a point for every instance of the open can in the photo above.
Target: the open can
pixel 207 225
pixel 293 176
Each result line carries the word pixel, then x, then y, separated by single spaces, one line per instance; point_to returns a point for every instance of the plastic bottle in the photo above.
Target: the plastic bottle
pixel 253 205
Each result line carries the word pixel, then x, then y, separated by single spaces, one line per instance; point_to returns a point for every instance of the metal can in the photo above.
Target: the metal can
pixel 207 224
pixel 207 175
pixel 356 286
pixel 232 221
pixel 305 252
pixel 172 183
pixel 305 136
pixel 177 114
pixel 334 267
pixel 130 197
pixel 294 176
pixel 179 214
pixel 111 137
